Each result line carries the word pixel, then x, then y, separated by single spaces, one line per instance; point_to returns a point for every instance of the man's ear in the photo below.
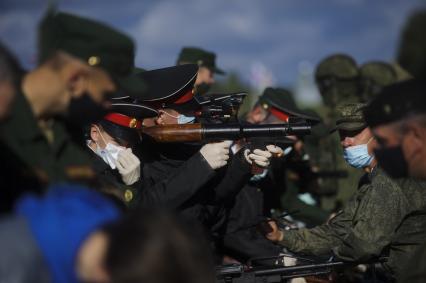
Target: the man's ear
pixel 94 133
pixel 77 79
pixel 258 114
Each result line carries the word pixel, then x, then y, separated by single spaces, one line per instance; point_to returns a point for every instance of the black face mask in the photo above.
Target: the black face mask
pixel 392 160
pixel 84 110
pixel 202 88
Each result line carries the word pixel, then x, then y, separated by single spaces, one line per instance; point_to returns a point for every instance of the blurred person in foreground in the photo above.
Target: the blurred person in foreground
pixel 10 77
pixel 67 89
pixel 73 234
pixel 397 117
pixel 385 217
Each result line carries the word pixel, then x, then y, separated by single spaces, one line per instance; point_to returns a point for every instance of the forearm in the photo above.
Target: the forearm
pixel 174 190
pixel 316 241
pixel 237 174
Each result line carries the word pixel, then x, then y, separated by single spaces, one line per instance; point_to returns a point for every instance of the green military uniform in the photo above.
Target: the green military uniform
pixel 54 161
pixel 414 270
pixel 337 78
pixel 393 104
pixel 49 155
pixel 383 216
pixel 374 76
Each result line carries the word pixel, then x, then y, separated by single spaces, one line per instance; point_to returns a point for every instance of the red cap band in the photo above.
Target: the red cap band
pixel 184 98
pixel 123 120
pixel 279 114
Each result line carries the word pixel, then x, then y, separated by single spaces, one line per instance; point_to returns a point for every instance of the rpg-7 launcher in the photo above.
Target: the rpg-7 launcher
pixel 212 132
pixel 219 108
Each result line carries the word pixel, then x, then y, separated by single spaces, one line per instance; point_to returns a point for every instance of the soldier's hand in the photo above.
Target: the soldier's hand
pixel 276 235
pixel 128 166
pixel 261 158
pixel 216 154
pixel 275 150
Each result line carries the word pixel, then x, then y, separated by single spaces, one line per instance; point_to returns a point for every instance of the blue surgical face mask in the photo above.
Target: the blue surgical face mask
pixel 357 156
pixel 182 119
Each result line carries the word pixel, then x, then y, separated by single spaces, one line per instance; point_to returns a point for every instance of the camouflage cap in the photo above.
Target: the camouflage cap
pixel 337 79
pixel 374 76
pixel 94 43
pixel 194 55
pixel 350 117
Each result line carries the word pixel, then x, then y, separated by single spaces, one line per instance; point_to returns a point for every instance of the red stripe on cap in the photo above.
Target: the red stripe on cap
pixel 279 114
pixel 123 120
pixel 184 98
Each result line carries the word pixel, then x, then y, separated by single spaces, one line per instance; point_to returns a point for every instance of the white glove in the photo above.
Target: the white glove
pixel 216 154
pixel 262 158
pixel 128 166
pixel 275 150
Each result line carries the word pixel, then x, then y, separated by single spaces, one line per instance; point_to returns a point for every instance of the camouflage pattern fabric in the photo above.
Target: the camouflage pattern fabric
pixel 384 215
pixel 337 79
pixel 373 76
pixel 414 271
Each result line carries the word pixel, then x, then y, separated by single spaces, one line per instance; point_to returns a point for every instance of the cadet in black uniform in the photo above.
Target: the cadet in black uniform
pixel 202 179
pixel 264 192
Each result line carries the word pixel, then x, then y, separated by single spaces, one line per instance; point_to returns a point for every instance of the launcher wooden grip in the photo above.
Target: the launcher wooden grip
pixel 174 133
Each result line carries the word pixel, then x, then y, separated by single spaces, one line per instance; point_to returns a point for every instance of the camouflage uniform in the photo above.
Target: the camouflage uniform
pixel 383 216
pixel 414 270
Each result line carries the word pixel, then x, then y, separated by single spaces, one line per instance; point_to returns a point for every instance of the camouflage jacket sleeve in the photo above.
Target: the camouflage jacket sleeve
pixel 378 216
pixel 321 239
pixel 361 230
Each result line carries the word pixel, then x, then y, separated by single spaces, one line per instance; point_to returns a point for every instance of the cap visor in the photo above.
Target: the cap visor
pixel 352 126
pixel 131 85
pixel 218 71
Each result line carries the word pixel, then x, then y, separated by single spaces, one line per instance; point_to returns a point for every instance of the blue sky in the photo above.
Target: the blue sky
pixel 282 36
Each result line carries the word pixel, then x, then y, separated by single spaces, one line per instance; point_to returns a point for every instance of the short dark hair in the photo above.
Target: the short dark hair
pixel 157 247
pixel 10 69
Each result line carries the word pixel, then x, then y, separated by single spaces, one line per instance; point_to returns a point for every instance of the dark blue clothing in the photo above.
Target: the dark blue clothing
pixel 61 220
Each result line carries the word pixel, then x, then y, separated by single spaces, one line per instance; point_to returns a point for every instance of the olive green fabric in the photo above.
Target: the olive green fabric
pixel 414 271
pixel 337 79
pixel 57 161
pixel 350 117
pixel 401 73
pixel 373 77
pixel 92 42
pixel 201 57
pixel 383 215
